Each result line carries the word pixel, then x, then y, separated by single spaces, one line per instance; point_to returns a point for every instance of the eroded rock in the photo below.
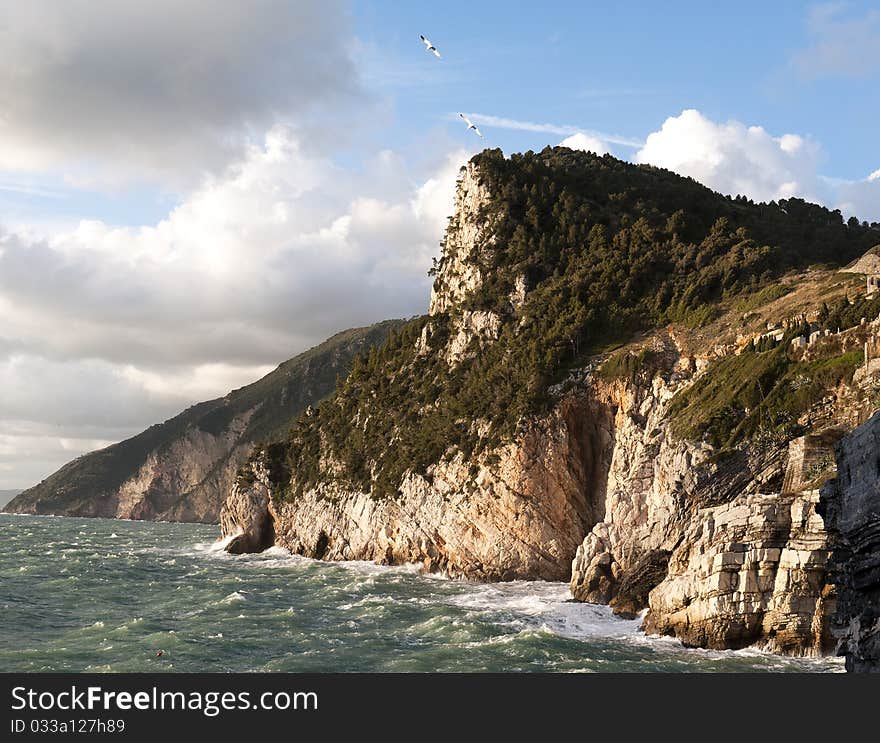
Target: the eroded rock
pixel 749 572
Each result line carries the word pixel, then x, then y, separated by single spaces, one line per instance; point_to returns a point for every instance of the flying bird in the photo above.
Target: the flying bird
pixel 429 47
pixel 471 125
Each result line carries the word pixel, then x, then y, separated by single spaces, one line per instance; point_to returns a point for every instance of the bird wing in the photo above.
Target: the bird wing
pixel 479 133
pixel 436 53
pixel 425 41
pixel 466 120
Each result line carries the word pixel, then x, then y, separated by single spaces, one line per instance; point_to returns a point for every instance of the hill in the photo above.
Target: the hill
pixel 625 380
pixel 584 251
pixel 180 470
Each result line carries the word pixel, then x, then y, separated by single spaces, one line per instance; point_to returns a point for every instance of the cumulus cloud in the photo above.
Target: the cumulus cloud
pixel 124 326
pixel 734 158
pixel 581 141
pixel 278 253
pixel 121 89
pixel 841 45
pixel 859 198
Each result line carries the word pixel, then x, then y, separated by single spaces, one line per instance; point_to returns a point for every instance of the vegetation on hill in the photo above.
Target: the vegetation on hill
pixel 607 248
pixel 758 393
pixel 764 390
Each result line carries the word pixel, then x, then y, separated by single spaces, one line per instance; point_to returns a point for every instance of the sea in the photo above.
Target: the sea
pixel 99 595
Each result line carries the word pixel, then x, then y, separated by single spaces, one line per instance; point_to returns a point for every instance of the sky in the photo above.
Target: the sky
pixel 193 192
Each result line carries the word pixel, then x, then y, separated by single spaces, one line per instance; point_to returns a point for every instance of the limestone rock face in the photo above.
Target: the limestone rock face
pixel 179 468
pixel 749 572
pixel 478 325
pixel 693 538
pixel 246 520
pixel 809 458
pixel 468 232
pixel 851 506
pixel 520 518
pixel 651 475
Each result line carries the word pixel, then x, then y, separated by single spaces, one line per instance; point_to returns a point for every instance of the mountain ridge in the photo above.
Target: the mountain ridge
pixel 179 470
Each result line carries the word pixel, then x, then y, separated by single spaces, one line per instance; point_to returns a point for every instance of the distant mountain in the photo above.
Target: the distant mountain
pixel 6 496
pixel 181 470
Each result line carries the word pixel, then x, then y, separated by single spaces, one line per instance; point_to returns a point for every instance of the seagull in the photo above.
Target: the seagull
pixel 429 47
pixel 471 125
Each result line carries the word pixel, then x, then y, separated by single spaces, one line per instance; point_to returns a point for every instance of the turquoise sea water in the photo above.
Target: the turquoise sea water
pixel 102 595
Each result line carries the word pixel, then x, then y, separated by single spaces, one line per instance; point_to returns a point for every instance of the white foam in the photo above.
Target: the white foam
pixel 221 544
pixel 546 607
pixel 278 553
pixel 233 597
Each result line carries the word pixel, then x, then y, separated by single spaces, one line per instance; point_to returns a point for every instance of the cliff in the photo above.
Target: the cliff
pixel 498 438
pixel 850 505
pixel 182 469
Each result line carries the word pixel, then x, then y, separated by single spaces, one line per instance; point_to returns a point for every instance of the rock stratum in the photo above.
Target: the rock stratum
pixel 678 475
pixel 850 505
pixel 183 469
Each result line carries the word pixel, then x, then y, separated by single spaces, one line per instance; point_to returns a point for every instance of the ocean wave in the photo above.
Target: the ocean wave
pixel 286 612
pixel 545 605
pixel 232 598
pixel 218 546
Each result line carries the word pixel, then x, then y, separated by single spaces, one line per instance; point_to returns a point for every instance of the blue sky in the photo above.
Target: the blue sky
pixel 193 192
pixel 624 67
pixel 619 68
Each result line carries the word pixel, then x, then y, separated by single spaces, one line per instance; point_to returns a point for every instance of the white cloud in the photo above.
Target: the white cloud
pixel 122 326
pixel 283 250
pixel 859 198
pixel 841 45
pixel 734 158
pixel 499 122
pixel 28 453
pixel 581 141
pixel 114 90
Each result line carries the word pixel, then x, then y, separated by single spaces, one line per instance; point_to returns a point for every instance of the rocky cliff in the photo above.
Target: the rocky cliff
pixel 749 572
pixel 521 517
pixel 183 469
pixel 520 513
pixel 494 439
pixel 851 507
